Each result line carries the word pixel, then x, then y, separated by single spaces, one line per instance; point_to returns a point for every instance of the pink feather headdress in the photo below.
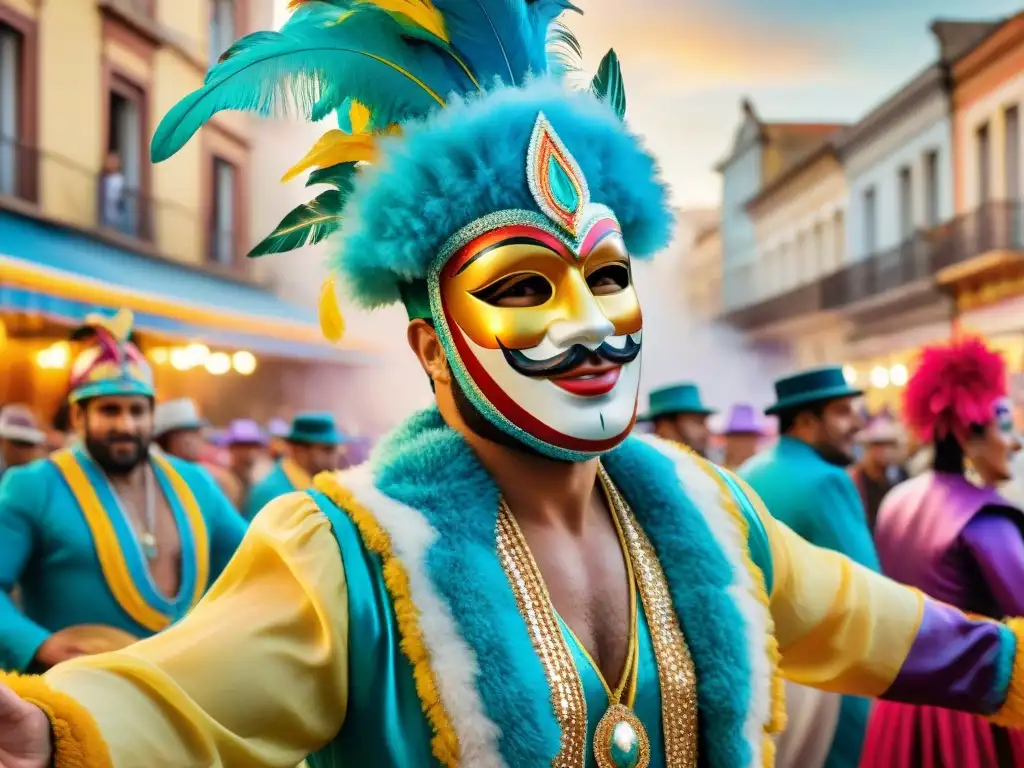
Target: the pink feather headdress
pixel 955 385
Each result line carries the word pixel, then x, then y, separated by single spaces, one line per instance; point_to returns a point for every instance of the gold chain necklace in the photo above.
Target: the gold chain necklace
pixel 620 740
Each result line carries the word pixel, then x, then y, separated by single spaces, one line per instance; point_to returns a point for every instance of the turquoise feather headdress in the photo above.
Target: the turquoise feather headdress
pixel 436 101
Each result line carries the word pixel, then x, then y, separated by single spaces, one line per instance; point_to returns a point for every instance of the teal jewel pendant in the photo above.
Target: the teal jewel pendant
pixel 620 740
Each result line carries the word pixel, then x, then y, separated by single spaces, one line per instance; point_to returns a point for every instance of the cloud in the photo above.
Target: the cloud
pixel 684 48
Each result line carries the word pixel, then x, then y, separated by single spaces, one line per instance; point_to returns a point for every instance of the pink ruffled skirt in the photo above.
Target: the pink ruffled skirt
pixel 909 736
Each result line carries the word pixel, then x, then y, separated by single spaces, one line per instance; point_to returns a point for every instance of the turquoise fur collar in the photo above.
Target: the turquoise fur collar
pixel 441 487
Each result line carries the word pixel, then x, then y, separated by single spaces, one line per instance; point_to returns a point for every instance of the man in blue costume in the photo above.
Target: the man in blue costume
pixel 513 579
pixel 111 540
pixel 312 445
pixel 803 480
pixel 678 414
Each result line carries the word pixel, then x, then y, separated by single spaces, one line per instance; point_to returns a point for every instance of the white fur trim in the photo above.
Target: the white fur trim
pixel 705 493
pixel 451 659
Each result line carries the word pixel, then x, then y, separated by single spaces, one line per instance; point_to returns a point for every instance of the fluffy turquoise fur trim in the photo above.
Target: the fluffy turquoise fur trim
pixel 469 160
pixel 426 465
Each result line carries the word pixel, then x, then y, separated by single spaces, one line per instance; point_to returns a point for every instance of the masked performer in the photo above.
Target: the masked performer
pixel 112 539
pixel 956 542
pixel 512 580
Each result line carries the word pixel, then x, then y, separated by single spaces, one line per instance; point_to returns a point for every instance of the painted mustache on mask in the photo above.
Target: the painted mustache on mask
pixel 572 358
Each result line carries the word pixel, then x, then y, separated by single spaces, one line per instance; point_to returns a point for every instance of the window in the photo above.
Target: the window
pixel 870 222
pixel 821 259
pixel 10 107
pixel 122 205
pixel 906 182
pixel 223 213
pixel 838 240
pixel 931 188
pixel 222 27
pixel 984 167
pixel 1011 153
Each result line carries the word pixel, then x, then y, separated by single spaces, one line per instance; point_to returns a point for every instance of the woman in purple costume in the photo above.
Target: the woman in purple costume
pixel 955 541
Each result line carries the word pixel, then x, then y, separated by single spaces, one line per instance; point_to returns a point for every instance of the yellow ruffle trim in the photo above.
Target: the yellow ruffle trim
pixel 1011 714
pixel 777 715
pixel 78 742
pixel 445 743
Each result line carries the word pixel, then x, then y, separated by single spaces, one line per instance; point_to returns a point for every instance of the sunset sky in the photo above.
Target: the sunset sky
pixel 687 64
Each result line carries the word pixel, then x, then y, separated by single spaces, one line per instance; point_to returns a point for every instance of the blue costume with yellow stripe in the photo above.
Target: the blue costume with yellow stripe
pixel 67 542
pixel 77 560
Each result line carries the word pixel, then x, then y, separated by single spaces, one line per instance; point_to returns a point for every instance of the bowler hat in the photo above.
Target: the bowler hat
pixel 678 398
pixel 315 428
pixel 813 386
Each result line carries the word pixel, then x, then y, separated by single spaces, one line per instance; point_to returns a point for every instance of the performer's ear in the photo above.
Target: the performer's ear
pixel 424 342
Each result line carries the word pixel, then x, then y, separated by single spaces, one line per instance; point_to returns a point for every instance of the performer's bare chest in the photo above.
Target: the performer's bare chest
pixel 586 576
pixel 158 537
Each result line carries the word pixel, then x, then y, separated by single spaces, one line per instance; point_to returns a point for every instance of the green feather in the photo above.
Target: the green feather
pixel 306 224
pixel 367 57
pixel 608 84
pixel 339 176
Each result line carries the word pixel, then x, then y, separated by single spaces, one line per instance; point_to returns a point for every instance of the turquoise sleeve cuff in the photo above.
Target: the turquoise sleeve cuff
pixel 20 638
pixel 757 536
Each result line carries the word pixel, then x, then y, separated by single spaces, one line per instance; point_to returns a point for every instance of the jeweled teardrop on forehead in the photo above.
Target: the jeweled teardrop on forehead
pixel 555 178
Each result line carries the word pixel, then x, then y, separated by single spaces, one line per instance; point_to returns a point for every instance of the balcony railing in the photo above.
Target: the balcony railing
pixel 995 226
pixel 802 300
pixel 19 170
pixel 124 210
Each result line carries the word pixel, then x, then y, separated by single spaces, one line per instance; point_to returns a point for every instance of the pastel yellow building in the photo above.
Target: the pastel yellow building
pixel 96 77
pixel 88 223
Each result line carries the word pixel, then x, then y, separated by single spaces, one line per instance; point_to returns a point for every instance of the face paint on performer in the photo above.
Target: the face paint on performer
pixel 547 338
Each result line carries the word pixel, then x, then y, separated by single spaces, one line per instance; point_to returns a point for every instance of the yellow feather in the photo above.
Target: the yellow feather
pixel 420 12
pixel 359 117
pixel 332 323
pixel 119 326
pixel 335 147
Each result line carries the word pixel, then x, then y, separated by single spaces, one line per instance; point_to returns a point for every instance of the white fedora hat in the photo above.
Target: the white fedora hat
pixel 177 414
pixel 17 423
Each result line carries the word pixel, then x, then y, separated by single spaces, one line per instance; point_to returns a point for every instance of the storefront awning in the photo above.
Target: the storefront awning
pixel 65 275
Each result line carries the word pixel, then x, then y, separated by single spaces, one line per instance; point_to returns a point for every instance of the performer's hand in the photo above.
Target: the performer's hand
pixel 24 733
pixel 59 647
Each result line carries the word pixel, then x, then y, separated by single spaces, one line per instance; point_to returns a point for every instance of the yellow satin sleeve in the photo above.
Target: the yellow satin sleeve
pixel 256 675
pixel 840 627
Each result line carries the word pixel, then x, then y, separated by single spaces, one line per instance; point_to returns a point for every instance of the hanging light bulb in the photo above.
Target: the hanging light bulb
pixel 218 363
pixel 850 374
pixel 898 375
pixel 879 377
pixel 243 362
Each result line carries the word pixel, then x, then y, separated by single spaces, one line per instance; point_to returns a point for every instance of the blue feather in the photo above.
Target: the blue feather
pixel 366 58
pixel 499 39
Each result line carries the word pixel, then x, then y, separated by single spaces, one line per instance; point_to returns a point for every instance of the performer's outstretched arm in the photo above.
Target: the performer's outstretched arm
pixel 256 675
pixel 844 628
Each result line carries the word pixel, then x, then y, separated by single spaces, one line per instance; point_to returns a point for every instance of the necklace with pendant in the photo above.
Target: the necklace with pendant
pixel 620 739
pixel 147 539
pixel 147 535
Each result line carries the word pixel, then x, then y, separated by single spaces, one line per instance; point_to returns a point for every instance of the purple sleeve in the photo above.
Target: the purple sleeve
pixel 996 545
pixel 956 662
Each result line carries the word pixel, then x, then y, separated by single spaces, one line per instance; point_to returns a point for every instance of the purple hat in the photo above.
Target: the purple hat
pixel 743 420
pixel 245 432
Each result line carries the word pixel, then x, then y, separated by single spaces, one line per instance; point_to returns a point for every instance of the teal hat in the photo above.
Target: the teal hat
pixel 678 398
pixel 315 429
pixel 813 386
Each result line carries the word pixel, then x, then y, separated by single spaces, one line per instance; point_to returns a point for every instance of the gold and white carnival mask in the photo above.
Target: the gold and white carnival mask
pixel 539 315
